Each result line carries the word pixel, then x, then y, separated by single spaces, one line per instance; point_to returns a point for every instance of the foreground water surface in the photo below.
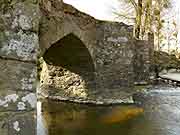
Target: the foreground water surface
pixel 158 115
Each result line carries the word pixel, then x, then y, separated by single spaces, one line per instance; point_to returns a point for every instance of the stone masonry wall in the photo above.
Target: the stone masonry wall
pixel 114 55
pixel 143 60
pixel 19 22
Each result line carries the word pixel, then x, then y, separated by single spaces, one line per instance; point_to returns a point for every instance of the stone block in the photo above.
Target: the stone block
pixel 3 123
pixel 17 76
pixel 21 45
pixel 21 15
pixel 13 123
pixel 19 25
pixel 22 124
pixel 17 101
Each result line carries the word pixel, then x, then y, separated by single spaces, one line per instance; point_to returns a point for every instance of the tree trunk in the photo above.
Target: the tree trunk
pixel 138 20
pixel 147 19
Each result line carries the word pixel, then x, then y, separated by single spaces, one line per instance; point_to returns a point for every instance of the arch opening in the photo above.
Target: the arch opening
pixel 68 68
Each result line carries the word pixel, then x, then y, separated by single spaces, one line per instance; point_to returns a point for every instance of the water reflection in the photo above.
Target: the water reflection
pixel 61 119
pixel 121 114
pixel 74 119
pixel 160 115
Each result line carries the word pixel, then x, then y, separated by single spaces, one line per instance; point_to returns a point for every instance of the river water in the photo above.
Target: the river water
pixel 159 114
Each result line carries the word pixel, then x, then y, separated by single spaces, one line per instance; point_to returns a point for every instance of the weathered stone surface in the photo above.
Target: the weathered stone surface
pixel 64 83
pixel 23 124
pixel 20 15
pixel 19 24
pixel 17 86
pixel 17 101
pixel 143 59
pixel 17 123
pixel 16 75
pixel 20 46
pixel 114 55
pixel 3 123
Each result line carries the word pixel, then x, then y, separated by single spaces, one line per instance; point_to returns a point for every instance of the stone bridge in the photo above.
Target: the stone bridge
pixel 88 58
pixel 81 59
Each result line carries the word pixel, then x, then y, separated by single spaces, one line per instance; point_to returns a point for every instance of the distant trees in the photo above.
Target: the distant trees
pixel 147 17
pixel 173 37
pixel 151 16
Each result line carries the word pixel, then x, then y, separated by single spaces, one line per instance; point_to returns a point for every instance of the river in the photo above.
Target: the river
pixel 158 114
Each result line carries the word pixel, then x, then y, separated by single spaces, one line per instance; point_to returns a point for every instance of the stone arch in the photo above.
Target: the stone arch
pixel 54 34
pixel 68 68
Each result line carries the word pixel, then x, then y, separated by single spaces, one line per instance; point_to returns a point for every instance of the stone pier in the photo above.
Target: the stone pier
pixel 19 24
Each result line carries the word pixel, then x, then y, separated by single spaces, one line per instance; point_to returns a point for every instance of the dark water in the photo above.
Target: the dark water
pixel 158 115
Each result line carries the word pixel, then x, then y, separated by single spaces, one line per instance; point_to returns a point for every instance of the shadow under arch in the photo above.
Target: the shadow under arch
pixel 70 54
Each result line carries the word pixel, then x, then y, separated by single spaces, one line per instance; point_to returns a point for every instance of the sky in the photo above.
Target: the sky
pixel 102 9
